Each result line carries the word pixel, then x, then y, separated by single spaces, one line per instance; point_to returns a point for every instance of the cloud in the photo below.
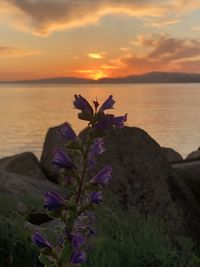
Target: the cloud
pixel 173 49
pixel 161 22
pixel 124 49
pixel 195 28
pixel 46 16
pixel 164 53
pixel 98 55
pixel 14 51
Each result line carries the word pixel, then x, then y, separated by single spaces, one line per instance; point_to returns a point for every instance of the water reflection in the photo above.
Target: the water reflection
pixel 168 112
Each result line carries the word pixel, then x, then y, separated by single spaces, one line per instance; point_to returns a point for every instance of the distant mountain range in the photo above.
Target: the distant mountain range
pixel 151 77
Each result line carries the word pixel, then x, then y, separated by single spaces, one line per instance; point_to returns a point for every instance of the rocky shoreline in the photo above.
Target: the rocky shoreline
pixel 147 179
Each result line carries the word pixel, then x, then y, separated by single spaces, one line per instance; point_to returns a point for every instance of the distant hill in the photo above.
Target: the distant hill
pixel 53 80
pixel 151 77
pixel 156 77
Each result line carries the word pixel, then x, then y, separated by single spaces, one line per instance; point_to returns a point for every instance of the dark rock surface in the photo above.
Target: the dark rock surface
pixel 143 181
pixel 190 173
pixel 52 142
pixel 185 191
pixel 25 164
pixel 194 155
pixel 140 170
pixel 171 154
pixel 20 185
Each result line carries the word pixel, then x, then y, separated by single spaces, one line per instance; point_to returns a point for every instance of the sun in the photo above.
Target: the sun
pixel 96 75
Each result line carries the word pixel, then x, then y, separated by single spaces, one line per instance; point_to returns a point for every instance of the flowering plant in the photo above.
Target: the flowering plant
pixel 84 193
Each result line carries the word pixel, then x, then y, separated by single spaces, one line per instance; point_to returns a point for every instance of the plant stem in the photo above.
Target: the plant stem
pixel 84 170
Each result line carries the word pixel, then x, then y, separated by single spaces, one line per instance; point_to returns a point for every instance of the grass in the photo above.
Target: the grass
pixel 130 242
pixel 122 241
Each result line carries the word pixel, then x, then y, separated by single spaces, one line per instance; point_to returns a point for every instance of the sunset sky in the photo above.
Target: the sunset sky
pixel 97 38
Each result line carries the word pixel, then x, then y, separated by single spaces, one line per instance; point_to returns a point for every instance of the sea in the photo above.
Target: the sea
pixel 169 113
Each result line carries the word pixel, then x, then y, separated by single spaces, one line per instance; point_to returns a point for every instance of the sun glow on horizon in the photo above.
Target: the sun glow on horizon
pixel 93 74
pixel 97 39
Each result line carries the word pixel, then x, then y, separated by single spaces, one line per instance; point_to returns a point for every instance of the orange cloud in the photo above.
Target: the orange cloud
pixel 46 16
pixel 165 53
pixel 96 55
pixel 13 51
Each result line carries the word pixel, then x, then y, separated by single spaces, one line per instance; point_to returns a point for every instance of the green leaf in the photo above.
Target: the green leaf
pixel 84 115
pixel 92 187
pixel 71 219
pixel 66 254
pixel 46 261
pixel 74 145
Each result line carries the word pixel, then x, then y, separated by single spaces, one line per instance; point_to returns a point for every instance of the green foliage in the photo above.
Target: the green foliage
pixel 7 206
pixel 127 241
pixel 122 241
pixel 16 249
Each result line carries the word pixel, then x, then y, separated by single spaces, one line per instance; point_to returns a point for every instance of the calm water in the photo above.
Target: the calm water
pixel 168 112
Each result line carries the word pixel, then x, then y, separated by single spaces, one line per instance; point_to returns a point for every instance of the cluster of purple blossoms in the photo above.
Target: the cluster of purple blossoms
pixel 83 191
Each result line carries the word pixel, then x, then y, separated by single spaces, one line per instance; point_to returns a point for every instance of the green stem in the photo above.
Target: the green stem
pixel 84 171
pixel 80 187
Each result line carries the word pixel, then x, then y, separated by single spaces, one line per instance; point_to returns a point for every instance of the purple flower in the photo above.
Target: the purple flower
pixel 108 104
pixel 119 121
pixel 67 131
pixel 102 177
pixel 40 241
pixel 78 257
pixel 96 197
pixel 77 241
pixel 82 104
pixel 104 122
pixel 62 160
pixel 96 149
pixel 53 201
pixel 91 216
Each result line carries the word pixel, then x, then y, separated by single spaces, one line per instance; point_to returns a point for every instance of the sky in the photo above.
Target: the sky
pixel 97 38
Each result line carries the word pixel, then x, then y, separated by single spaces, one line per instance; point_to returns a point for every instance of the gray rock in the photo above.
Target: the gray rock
pixel 20 185
pixel 194 155
pixel 52 142
pixel 185 188
pixel 171 154
pixel 190 173
pixel 140 170
pixel 143 180
pixel 24 164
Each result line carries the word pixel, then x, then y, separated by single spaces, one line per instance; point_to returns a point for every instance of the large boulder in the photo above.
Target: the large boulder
pixel 140 170
pixel 190 174
pixel 194 155
pixel 20 186
pixel 143 179
pixel 186 192
pixel 52 142
pixel 26 193
pixel 171 154
pixel 24 164
pixel 144 182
